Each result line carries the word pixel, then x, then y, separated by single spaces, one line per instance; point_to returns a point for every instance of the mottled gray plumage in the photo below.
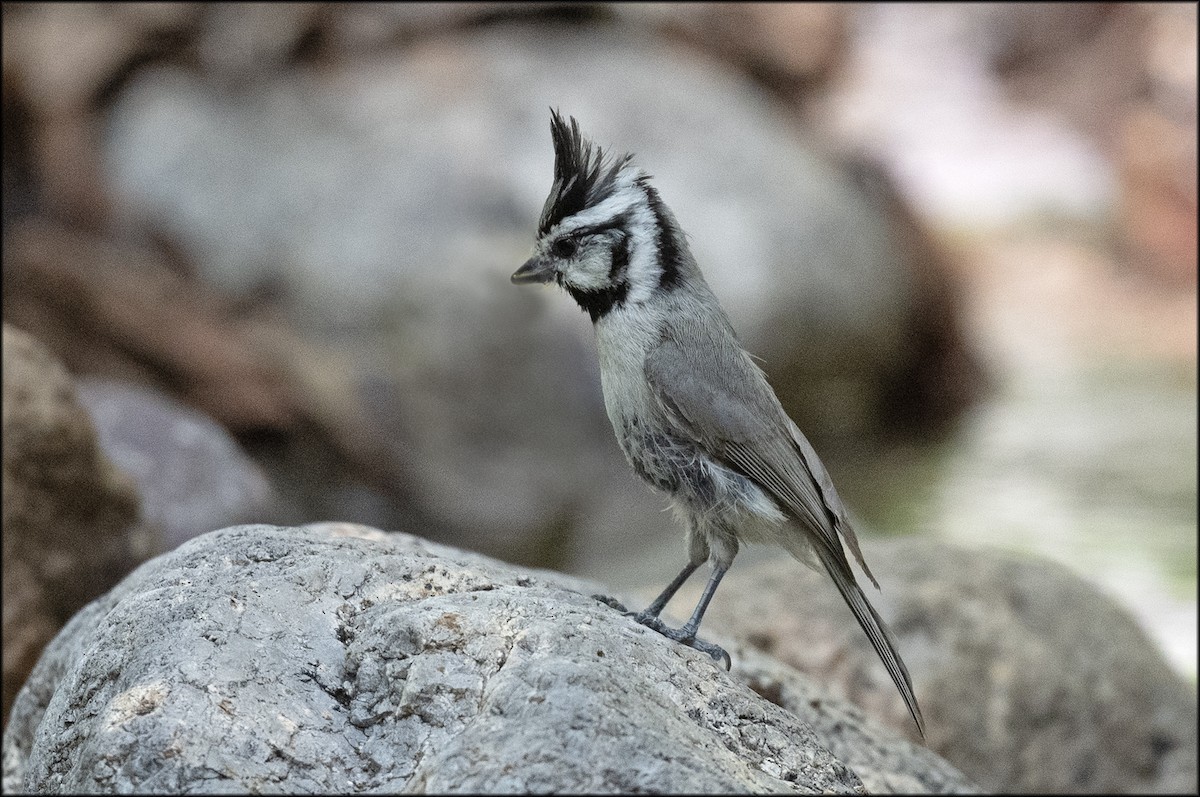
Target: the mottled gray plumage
pixel 694 415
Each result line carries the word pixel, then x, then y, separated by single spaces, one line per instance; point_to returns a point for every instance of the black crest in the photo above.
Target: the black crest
pixel 583 176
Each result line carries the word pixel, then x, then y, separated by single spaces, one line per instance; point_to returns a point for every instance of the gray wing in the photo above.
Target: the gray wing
pixel 719 398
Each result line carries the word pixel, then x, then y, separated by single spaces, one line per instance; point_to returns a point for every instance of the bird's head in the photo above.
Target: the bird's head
pixel 604 234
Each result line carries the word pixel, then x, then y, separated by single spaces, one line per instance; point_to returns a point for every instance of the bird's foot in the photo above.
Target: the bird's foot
pixel 611 602
pixel 683 636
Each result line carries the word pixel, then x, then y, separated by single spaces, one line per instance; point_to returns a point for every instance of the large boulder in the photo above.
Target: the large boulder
pixel 1030 678
pixel 337 658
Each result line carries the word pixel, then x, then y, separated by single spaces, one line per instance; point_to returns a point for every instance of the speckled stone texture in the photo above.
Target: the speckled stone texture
pixel 337 658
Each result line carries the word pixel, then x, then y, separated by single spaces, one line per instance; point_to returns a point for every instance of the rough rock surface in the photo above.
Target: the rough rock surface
pixel 336 658
pixel 1031 680
pixel 68 514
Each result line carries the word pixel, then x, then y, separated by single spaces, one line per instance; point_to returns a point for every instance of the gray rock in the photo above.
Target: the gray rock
pixel 887 764
pixel 190 473
pixel 1031 680
pixel 336 658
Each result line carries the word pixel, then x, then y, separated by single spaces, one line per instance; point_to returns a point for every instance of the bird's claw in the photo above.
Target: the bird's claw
pixel 717 652
pixel 611 602
pixel 648 620
pixel 652 622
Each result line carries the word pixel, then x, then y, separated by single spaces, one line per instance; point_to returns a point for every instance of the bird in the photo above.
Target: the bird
pixel 694 415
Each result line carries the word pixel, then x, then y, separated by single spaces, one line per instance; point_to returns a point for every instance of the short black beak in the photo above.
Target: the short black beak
pixel 535 269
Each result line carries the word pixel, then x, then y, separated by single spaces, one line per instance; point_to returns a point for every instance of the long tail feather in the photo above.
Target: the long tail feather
pixel 876 631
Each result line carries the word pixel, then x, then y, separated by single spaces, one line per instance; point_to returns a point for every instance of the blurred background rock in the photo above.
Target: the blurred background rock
pixel 275 241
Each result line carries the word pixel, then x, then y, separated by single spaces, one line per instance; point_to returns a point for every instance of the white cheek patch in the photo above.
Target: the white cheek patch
pixel 590 271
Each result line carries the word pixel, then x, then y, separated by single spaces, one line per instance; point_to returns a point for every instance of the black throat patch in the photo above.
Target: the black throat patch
pixel 599 303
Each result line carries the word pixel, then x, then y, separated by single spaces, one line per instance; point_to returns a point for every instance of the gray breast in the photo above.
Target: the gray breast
pixel 667 463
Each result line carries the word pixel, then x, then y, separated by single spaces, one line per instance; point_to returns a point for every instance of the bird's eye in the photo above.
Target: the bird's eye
pixel 564 247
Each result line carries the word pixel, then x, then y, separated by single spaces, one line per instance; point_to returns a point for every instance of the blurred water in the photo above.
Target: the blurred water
pixel 1085 450
pixel 1095 468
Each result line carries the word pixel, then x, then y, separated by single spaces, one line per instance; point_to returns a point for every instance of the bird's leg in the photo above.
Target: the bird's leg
pixel 649 615
pixel 693 625
pixel 652 611
pixel 687 632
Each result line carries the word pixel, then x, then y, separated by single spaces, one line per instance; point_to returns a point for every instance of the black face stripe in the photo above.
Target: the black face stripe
pixel 620 260
pixel 599 303
pixel 668 246
pixel 618 222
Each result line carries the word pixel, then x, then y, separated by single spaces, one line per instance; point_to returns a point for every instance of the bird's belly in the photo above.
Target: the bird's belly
pixel 697 483
pixel 665 462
